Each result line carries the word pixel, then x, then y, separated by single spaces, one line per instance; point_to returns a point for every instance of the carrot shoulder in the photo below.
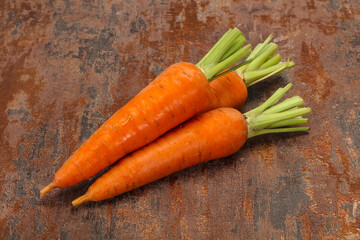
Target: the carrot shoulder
pixel 215 134
pixel 173 97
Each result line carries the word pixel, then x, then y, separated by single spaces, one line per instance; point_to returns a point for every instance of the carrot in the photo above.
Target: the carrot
pixel 173 97
pixel 215 134
pixel 230 90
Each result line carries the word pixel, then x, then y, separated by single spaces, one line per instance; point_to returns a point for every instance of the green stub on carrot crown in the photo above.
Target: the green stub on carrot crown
pixel 270 117
pixel 224 54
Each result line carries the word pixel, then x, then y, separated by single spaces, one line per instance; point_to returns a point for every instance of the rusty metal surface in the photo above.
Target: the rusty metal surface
pixel 66 66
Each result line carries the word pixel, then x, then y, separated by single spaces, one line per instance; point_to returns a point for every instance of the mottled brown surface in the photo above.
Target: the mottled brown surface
pixel 66 66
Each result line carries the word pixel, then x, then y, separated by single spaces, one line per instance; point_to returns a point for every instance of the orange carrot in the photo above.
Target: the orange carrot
pixel 173 97
pixel 215 134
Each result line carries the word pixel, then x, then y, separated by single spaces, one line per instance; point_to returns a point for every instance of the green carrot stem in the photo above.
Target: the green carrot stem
pixel 257 50
pixel 214 63
pixel 242 69
pixel 212 50
pixel 260 47
pixel 270 117
pixel 289 122
pixel 262 65
pixel 277 130
pixel 262 57
pixel 265 48
pixel 271 101
pixel 232 68
pixel 254 77
pixel 264 120
pixel 287 104
pixel 241 53
pixel 223 47
pixel 271 62
pixel 234 47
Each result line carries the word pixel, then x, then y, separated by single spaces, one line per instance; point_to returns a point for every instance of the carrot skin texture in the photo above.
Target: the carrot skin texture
pixel 226 91
pixel 187 145
pixel 174 96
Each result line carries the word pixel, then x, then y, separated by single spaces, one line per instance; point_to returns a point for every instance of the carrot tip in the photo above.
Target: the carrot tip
pixel 48 188
pixel 80 200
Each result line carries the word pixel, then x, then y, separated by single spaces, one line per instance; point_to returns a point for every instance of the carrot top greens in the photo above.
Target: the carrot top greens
pixel 259 65
pixel 271 118
pixel 263 64
pixel 225 53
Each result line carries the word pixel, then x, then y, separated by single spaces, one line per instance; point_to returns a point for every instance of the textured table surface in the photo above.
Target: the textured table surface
pixel 66 66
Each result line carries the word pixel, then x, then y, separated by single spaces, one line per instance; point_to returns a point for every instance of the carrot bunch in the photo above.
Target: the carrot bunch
pixel 214 134
pixel 180 92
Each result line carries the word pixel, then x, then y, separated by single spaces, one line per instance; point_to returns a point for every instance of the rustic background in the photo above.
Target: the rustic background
pixel 66 66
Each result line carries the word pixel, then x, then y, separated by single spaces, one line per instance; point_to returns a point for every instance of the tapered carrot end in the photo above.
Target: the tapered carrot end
pixel 80 200
pixel 48 188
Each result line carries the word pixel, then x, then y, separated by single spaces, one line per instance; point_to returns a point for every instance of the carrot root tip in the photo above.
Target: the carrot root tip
pixel 48 188
pixel 80 200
